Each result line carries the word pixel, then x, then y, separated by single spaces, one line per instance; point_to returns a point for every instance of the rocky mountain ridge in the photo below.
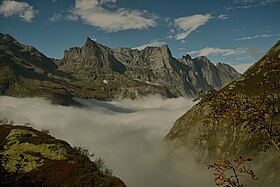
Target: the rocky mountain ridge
pixel 152 65
pixel 97 71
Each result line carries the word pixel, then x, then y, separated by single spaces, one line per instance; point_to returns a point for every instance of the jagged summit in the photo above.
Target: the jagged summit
pixel 90 48
pixel 202 59
pixel 93 44
pixel 164 50
pixel 187 57
pixel 89 42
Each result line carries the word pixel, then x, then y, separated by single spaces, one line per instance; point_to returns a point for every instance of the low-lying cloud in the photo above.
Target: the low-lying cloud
pixel 127 134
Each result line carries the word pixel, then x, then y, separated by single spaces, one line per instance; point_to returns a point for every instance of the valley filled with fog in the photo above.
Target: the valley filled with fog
pixel 127 135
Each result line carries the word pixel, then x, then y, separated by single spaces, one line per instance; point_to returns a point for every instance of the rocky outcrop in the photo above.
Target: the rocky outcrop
pixel 91 62
pixel 33 158
pixel 153 65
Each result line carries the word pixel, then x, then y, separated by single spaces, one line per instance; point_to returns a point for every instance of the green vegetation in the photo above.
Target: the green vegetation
pixel 32 158
pixel 18 154
pixel 259 114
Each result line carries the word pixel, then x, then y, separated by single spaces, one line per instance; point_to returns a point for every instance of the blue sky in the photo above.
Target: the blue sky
pixel 237 32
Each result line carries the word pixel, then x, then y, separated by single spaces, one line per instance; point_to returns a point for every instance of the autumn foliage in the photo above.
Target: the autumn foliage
pixel 228 173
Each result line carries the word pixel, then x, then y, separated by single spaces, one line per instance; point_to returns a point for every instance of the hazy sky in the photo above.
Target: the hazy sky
pixel 231 31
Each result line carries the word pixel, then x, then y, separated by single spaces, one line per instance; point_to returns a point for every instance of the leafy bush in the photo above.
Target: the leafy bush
pixel 228 174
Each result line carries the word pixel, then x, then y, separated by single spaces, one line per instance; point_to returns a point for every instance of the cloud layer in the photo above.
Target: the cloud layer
pixel 127 134
pixel 186 25
pixel 244 4
pixel 21 9
pixel 257 36
pixel 217 51
pixel 93 13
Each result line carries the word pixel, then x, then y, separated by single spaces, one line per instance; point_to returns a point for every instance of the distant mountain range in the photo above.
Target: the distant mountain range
pixel 96 71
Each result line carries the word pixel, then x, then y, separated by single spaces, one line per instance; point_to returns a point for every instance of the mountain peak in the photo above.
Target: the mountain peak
pixel 4 38
pixel 202 59
pixel 165 48
pixel 187 57
pixel 89 39
pixel 90 42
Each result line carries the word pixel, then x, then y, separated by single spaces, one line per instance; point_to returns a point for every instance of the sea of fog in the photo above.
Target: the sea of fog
pixel 127 134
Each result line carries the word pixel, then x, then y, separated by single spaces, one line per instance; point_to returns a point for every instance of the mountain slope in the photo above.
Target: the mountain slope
pixel 240 119
pixel 33 158
pixel 259 80
pixel 25 72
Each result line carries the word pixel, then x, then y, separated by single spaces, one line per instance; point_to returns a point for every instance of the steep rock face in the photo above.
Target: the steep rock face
pixel 204 75
pixel 96 66
pixel 231 135
pixel 154 65
pixel 226 73
pixel 182 77
pixel 91 61
pixel 33 158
